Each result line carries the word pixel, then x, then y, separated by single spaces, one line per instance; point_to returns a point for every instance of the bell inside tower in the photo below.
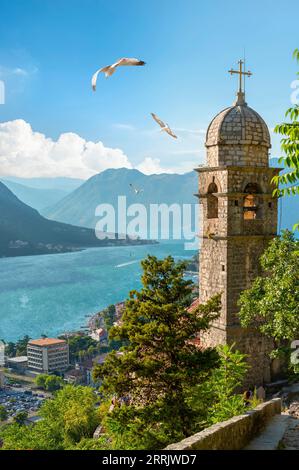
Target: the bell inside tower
pixel 251 206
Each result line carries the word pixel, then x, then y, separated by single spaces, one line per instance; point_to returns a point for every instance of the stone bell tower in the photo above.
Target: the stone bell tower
pixel 239 217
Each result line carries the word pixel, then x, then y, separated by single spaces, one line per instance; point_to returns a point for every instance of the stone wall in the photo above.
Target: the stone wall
pixel 239 218
pixel 233 434
pixel 243 266
pixel 257 348
pixel 231 247
pixel 240 154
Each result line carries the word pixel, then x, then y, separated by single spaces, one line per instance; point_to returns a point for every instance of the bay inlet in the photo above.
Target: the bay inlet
pixel 51 294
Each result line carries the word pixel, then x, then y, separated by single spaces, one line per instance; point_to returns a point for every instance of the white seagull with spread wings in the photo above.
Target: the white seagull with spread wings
pixel 164 127
pixel 110 69
pixel 136 190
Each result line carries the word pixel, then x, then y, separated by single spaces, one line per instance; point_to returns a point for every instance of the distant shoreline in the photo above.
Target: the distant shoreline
pixel 83 248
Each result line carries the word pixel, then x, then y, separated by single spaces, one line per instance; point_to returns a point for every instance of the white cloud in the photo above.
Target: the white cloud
pixel 26 153
pixel 151 166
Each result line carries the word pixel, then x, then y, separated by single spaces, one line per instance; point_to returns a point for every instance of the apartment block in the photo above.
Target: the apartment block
pixel 47 355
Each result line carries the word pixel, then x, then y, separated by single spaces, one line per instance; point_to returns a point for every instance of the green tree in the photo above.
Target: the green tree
pixel 216 400
pixel 108 315
pixel 21 346
pixel 21 417
pixel 79 345
pixel 93 444
pixel 18 437
pixel 3 413
pixel 73 410
pixel 49 382
pixel 17 349
pixel 40 381
pixel 272 303
pixel 66 419
pixel 290 147
pixel 10 349
pixel 53 383
pixel 160 360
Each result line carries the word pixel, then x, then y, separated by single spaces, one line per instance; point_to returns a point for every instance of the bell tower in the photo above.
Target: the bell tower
pixel 239 217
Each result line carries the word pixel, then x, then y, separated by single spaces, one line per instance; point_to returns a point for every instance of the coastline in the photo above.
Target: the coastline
pixel 59 249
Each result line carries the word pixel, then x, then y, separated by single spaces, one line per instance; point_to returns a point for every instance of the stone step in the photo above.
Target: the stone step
pixel 272 435
pixel 291 436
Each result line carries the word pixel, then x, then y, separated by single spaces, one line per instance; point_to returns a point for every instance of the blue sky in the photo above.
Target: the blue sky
pixel 49 49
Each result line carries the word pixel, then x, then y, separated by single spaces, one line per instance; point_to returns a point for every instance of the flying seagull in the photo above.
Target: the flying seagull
pixel 164 127
pixel 110 69
pixel 136 190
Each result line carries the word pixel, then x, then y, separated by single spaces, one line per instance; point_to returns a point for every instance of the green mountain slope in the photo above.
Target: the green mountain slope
pixel 24 231
pixel 79 206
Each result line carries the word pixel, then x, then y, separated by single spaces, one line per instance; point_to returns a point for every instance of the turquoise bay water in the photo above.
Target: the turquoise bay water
pixel 51 294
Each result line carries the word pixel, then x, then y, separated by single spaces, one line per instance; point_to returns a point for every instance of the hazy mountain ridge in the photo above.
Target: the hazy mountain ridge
pixel 79 206
pixel 36 198
pixel 23 231
pixel 56 182
pixel 40 193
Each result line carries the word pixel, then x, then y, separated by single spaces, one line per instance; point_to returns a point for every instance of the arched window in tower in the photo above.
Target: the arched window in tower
pixel 251 206
pixel 212 201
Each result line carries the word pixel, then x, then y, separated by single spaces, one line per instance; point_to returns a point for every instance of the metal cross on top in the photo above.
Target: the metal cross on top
pixel 240 73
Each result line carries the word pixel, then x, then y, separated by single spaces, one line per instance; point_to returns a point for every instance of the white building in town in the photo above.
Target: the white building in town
pixel 48 355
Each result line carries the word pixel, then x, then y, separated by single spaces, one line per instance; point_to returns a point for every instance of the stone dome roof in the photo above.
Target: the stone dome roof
pixel 238 124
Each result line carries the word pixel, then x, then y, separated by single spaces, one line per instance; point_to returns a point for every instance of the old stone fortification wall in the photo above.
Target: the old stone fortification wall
pixel 233 434
pixel 257 348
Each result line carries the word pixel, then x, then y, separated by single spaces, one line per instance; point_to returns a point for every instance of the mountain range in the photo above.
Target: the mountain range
pixel 23 231
pixel 79 206
pixel 67 207
pixel 41 193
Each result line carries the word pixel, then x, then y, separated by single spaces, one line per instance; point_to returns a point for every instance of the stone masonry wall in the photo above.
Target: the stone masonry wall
pixel 257 349
pixel 233 434
pixel 213 257
pixel 237 154
pixel 237 181
pixel 238 136
pixel 229 266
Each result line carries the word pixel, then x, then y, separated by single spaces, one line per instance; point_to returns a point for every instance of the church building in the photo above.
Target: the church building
pixel 239 218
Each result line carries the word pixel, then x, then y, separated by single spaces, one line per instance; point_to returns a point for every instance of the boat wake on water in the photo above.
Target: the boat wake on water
pixel 122 265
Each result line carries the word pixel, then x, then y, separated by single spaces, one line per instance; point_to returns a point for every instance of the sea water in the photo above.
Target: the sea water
pixel 51 294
